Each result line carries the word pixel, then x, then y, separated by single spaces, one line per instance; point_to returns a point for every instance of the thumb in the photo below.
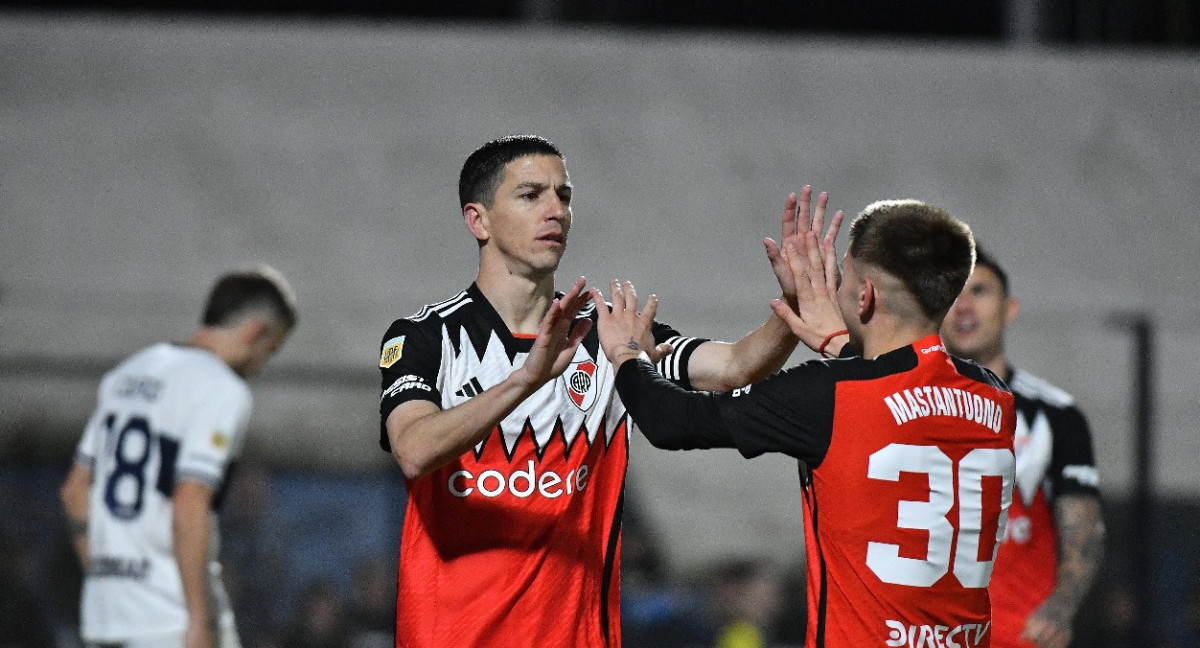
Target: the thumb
pixel 785 313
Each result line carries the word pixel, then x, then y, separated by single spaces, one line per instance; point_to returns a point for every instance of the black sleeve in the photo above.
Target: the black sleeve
pixel 791 412
pixel 1073 462
pixel 409 361
pixel 669 416
pixel 674 367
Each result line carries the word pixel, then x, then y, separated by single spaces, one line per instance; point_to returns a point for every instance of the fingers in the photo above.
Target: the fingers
pixel 789 316
pixel 798 261
pixel 835 225
pixel 618 297
pixel 789 214
pixel 773 250
pixel 818 217
pixel 801 217
pixel 651 309
pixel 578 333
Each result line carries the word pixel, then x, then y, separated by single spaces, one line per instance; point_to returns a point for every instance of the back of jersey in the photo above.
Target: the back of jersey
pixel 165 414
pixel 906 510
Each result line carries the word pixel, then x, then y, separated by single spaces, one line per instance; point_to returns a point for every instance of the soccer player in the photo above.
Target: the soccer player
pixel 905 452
pixel 151 467
pixel 1055 537
pixel 500 410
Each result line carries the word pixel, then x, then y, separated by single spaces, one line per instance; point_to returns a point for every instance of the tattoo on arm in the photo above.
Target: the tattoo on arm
pixel 1080 549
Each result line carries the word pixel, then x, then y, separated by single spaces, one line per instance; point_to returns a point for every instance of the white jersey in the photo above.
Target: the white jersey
pixel 166 414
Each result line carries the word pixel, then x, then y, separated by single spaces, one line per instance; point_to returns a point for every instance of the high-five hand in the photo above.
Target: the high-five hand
pixel 798 220
pixel 556 339
pixel 815 318
pixel 625 333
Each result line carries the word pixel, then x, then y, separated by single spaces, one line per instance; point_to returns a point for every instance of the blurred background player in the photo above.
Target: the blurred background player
pixel 905 452
pixel 516 478
pixel 1055 538
pixel 747 593
pixel 155 456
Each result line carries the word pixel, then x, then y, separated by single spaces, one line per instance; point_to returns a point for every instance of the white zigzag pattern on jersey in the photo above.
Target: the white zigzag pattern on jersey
pixel 543 409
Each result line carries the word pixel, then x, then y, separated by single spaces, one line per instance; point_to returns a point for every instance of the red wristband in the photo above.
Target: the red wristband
pixel 825 342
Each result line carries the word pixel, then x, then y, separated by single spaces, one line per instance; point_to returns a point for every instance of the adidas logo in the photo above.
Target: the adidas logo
pixel 471 389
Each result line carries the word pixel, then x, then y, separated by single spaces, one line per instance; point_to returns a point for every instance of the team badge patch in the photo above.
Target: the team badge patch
pixel 580 380
pixel 219 440
pixel 392 350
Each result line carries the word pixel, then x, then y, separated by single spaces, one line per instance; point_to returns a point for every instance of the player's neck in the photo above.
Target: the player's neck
pixel 520 301
pixel 221 342
pixel 997 363
pixel 879 340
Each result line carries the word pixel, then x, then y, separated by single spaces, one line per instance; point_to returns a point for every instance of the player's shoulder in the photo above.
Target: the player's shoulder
pixel 177 370
pixel 434 314
pixel 1032 387
pixel 979 373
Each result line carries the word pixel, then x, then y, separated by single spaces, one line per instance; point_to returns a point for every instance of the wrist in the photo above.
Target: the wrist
pixel 832 345
pixel 625 355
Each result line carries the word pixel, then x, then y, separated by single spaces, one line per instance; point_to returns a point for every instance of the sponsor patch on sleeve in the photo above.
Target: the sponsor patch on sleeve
pixel 392 350
pixel 219 440
pixel 404 383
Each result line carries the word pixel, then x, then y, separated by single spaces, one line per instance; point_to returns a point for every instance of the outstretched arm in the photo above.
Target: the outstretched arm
pixel 425 438
pixel 720 366
pixel 1080 530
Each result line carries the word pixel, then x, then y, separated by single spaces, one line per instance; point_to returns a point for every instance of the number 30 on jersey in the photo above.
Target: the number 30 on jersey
pixel 932 515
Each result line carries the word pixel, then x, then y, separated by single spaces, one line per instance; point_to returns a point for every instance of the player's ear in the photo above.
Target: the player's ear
pixel 254 329
pixel 867 297
pixel 475 216
pixel 1011 308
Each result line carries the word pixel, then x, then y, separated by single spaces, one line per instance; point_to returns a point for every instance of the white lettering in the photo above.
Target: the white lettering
pixel 546 482
pixel 940 402
pixel 928 400
pixel 527 476
pixel 460 492
pixel 521 483
pixel 481 483
pixel 950 642
pixel 934 635
pixel 899 409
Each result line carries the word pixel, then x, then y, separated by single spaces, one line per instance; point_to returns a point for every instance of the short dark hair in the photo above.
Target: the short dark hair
pixel 982 258
pixel 484 169
pixel 259 289
pixel 923 246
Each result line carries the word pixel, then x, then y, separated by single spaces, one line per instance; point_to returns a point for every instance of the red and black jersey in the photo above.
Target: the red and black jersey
pixel 907 470
pixel 517 542
pixel 1053 446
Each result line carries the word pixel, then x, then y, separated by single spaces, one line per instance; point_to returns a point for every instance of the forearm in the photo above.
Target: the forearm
pixel 74 497
pixel 192 526
pixel 423 441
pixel 723 367
pixel 1080 528
pixel 669 417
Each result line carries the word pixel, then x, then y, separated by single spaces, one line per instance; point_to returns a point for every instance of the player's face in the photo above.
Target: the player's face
pixel 530 215
pixel 259 349
pixel 974 327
